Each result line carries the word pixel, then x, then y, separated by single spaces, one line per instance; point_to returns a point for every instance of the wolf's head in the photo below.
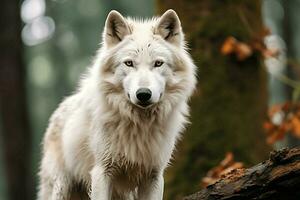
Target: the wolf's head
pixel 144 62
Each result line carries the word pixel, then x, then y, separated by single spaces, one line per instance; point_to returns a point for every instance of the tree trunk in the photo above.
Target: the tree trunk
pixel 15 128
pixel 229 107
pixel 275 179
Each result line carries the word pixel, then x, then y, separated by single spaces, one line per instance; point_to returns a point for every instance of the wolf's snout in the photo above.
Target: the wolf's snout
pixel 143 95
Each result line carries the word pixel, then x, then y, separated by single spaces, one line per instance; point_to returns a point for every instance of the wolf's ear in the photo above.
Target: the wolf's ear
pixel 169 27
pixel 116 28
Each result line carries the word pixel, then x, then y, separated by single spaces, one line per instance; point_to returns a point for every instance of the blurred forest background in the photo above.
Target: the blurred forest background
pixel 247 53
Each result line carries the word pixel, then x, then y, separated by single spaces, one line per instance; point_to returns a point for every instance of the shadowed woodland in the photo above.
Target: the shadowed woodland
pixel 246 104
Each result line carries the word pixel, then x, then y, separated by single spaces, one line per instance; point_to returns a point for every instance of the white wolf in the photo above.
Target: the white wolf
pixel 116 134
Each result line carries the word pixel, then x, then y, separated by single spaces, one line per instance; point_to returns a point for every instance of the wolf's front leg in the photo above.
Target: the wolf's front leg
pixel 61 188
pixel 101 184
pixel 152 190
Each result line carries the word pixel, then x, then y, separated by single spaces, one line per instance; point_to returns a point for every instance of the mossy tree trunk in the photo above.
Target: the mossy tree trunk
pixel 229 107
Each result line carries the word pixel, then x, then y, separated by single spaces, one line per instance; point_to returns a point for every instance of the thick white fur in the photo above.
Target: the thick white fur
pixel 100 136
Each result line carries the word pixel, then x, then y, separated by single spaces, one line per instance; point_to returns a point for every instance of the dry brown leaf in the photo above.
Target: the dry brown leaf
pixel 295 126
pixel 228 46
pixel 274 137
pixel 268 126
pixel 227 160
pixel 289 124
pixel 226 165
pixel 243 51
pixel 233 46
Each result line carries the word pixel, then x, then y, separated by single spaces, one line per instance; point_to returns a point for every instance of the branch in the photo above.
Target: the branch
pixel 275 179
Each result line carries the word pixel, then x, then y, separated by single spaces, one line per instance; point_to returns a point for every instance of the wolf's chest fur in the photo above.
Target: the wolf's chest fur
pixel 135 142
pixel 126 176
pixel 133 151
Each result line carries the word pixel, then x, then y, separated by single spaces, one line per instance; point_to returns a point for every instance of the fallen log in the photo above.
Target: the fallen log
pixel 277 178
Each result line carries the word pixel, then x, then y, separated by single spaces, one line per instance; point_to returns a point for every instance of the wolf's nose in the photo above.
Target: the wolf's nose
pixel 143 94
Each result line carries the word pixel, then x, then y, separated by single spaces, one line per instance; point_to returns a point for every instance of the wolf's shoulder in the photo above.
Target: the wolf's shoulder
pixel 60 116
pixel 64 109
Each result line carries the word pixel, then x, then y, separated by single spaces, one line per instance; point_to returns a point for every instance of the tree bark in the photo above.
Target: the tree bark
pixel 14 120
pixel 275 179
pixel 229 107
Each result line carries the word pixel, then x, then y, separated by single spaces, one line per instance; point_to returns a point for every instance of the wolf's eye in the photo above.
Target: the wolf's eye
pixel 128 63
pixel 158 63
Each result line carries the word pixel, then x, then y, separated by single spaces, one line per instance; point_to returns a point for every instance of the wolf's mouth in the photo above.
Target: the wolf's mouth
pixel 144 104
